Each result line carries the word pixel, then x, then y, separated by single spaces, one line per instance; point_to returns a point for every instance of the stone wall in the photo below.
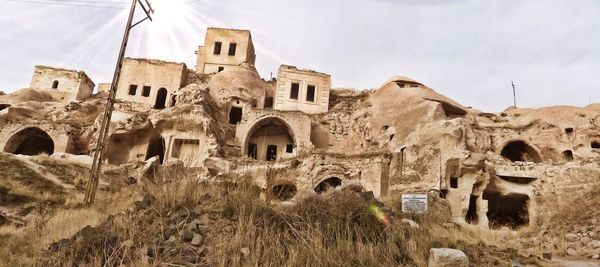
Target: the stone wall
pixel 151 79
pixel 211 62
pixel 60 135
pixel 299 126
pixel 72 84
pixel 307 172
pixel 291 76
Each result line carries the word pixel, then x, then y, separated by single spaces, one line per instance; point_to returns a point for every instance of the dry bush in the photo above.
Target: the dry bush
pixel 337 230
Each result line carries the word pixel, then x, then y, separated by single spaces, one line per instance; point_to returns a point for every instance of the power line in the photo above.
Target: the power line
pixel 69 3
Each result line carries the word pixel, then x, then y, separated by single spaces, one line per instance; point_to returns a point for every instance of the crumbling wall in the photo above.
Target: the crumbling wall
pixel 306 173
pixel 14 136
pixel 150 82
pixel 64 84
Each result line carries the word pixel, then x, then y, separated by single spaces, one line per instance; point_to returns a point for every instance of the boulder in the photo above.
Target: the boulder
pixel 446 257
pixel 595 244
pixel 571 237
pixel 571 252
pixel 245 252
pixel 150 167
pixel 413 225
pixel 198 240
pixel 217 166
pixel 187 235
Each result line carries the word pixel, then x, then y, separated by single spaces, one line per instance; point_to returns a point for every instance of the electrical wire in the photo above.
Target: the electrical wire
pixel 73 3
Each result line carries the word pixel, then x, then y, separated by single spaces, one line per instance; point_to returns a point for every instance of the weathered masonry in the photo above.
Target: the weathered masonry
pixel 302 90
pixel 151 82
pixel 223 49
pixel 63 84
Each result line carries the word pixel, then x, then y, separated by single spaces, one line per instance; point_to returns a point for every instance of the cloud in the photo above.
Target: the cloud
pixel 469 50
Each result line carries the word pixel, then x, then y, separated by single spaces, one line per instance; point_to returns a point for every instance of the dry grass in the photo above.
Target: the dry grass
pixel 28 246
pixel 334 231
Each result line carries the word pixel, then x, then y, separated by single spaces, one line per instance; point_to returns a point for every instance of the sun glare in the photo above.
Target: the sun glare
pixel 164 9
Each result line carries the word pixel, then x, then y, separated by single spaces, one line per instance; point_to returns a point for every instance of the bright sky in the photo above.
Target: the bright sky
pixel 469 50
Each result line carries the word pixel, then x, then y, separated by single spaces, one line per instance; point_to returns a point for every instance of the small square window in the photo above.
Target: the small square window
pixel 146 91
pixel 132 89
pixel 569 130
pixel 289 148
pixel 221 69
pixel 218 46
pixel 232 49
pixel 295 91
pixel 454 182
pixel 310 93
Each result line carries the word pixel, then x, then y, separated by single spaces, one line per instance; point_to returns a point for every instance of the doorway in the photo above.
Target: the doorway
pixel 271 153
pixel 161 98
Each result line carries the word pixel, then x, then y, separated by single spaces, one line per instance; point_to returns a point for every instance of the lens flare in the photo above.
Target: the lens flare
pixel 379 214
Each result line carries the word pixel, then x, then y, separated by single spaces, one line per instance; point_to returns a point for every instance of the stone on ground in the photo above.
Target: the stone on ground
pixel 446 257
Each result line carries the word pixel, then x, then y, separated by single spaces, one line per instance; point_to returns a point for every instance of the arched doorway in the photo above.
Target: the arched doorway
pixel 156 147
pixel 30 141
pixel 269 140
pixel 55 85
pixel 161 98
pixel 520 151
pixel 327 184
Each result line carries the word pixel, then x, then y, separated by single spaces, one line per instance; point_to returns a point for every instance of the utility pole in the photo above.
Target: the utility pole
pixel 92 186
pixel 514 94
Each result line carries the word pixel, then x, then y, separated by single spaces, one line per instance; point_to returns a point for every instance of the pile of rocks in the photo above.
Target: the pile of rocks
pixel 584 242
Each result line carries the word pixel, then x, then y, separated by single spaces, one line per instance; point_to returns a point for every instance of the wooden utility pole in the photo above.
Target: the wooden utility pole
pixel 514 94
pixel 92 186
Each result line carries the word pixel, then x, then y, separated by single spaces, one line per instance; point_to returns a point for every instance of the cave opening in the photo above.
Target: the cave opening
pixel 472 217
pixel 328 184
pixel 520 151
pixel 156 147
pixel 507 210
pixel 30 141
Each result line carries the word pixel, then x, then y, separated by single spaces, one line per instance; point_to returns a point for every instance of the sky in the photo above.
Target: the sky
pixel 468 50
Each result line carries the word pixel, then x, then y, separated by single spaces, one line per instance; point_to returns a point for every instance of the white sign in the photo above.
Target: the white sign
pixel 414 203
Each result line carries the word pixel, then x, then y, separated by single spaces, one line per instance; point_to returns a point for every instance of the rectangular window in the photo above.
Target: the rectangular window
pixel 295 91
pixel 218 46
pixel 310 93
pixel 454 182
pixel 289 148
pixel 252 149
pixel 146 91
pixel 232 48
pixel 132 89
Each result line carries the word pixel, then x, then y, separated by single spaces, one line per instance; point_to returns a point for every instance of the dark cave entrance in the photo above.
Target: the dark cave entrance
pixel 156 147
pixel 329 183
pixel 520 151
pixel 30 141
